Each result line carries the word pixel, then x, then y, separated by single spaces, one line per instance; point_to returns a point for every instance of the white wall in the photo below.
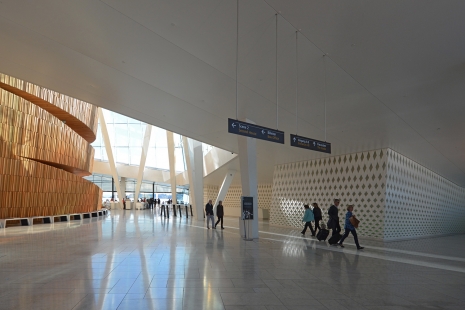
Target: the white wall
pixel 394 197
pixel 420 202
pixel 232 201
pixel 357 179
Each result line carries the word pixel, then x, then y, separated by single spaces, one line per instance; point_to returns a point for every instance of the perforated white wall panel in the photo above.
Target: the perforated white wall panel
pixel 233 197
pixel 357 179
pixel 210 192
pixel 419 202
pixel 394 197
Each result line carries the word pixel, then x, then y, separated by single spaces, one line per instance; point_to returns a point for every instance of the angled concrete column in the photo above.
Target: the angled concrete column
pixel 224 187
pixel 111 159
pixel 122 184
pixel 143 158
pixel 172 160
pixel 194 162
pixel 248 163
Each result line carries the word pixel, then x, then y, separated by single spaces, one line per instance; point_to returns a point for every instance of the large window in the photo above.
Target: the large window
pixel 127 136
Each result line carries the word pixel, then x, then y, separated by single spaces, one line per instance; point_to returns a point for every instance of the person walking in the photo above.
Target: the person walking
pixel 219 214
pixel 308 218
pixel 350 228
pixel 209 214
pixel 317 215
pixel 333 222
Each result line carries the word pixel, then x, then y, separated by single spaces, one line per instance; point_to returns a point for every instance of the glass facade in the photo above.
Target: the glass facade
pixel 127 136
pixel 147 190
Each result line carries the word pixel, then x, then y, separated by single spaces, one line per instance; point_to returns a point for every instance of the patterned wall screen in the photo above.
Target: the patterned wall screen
pixel 419 202
pixel 358 179
pixel 394 197
pixel 233 196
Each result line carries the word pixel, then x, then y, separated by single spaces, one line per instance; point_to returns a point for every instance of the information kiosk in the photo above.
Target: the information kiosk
pixel 247 216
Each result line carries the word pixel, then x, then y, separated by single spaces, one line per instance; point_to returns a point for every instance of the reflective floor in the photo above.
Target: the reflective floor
pixel 135 260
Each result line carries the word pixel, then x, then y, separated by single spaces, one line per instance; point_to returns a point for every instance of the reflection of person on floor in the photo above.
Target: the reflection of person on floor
pixel 308 218
pixel 349 228
pixel 219 214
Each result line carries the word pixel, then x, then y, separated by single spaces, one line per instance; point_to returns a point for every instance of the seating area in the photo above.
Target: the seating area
pixel 49 219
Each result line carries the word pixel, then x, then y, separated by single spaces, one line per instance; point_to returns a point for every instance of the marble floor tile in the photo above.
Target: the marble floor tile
pixel 143 261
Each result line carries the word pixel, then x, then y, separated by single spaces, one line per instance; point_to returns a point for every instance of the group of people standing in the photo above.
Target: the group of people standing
pixel 209 213
pixel 314 215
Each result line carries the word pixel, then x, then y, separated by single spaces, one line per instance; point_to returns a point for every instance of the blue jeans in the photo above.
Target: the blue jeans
pixel 210 218
pixel 346 234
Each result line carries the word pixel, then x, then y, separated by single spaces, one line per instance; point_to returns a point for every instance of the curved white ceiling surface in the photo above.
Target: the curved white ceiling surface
pixel 395 70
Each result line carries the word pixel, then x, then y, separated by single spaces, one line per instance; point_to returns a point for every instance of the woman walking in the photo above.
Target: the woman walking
pixel 317 215
pixel 308 218
pixel 349 228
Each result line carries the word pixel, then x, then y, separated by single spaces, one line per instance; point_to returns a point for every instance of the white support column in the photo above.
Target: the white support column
pixel 224 187
pixel 143 158
pixel 172 160
pixel 194 161
pixel 111 159
pixel 122 184
pixel 189 158
pixel 248 163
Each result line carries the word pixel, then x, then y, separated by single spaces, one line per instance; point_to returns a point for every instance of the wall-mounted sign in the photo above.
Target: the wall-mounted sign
pixel 255 131
pixel 247 207
pixel 310 144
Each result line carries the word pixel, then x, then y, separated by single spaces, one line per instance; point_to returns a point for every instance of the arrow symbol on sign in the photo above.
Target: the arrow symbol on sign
pixel 233 125
pixel 294 139
pixel 263 131
pixel 313 143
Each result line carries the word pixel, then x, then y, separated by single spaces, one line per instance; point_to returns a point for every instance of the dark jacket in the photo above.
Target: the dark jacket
pixel 209 209
pixel 317 213
pixel 219 210
pixel 333 213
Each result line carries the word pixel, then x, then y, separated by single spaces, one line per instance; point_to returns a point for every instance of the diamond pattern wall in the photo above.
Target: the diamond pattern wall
pixel 358 179
pixel 210 192
pixel 233 196
pixel 419 202
pixel 394 197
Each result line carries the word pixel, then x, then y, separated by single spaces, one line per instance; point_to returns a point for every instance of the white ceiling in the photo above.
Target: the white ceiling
pixel 395 70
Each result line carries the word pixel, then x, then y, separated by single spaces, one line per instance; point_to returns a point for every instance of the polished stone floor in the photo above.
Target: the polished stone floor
pixel 135 260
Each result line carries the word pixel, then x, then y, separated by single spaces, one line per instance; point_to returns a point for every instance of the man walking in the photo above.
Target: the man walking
pixel 209 214
pixel 333 222
pixel 219 214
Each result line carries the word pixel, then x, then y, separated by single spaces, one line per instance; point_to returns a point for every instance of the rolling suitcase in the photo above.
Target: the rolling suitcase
pixel 322 234
pixel 335 239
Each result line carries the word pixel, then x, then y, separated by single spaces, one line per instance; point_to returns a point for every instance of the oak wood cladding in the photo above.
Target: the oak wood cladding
pixel 80 116
pixel 42 160
pixel 36 134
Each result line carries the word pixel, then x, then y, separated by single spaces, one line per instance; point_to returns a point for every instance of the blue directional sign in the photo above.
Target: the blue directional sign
pixel 255 131
pixel 310 144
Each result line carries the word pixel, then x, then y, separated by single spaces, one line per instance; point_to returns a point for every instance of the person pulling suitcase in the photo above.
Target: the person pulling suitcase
pixel 333 223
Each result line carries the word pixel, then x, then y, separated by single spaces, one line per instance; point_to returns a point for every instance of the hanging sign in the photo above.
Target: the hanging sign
pixel 310 144
pixel 255 131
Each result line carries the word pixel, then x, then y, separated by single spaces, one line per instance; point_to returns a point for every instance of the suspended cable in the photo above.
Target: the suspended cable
pixel 296 80
pixel 324 63
pixel 237 56
pixel 277 104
